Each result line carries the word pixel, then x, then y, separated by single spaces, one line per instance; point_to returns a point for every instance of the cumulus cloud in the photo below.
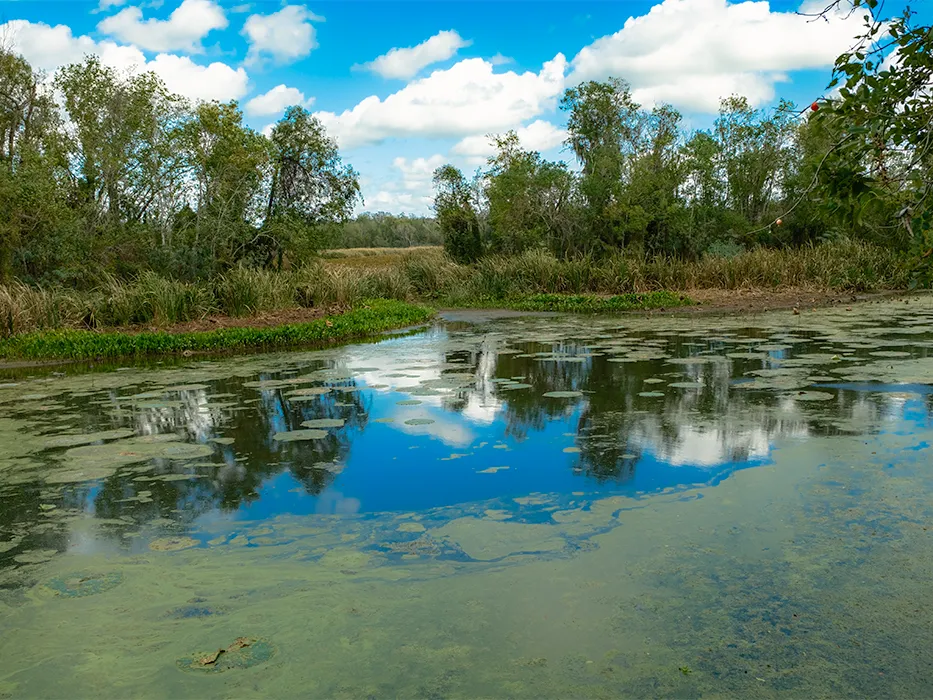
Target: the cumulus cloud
pixel 540 135
pixel 105 5
pixel 284 36
pixel 48 48
pixel 184 29
pixel 215 81
pixel 467 98
pixel 408 190
pixel 276 100
pixel 693 52
pixel 406 63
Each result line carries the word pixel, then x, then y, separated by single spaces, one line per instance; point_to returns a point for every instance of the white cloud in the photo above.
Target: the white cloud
pixel 276 100
pixel 216 81
pixel 540 135
pixel 105 5
pixel 184 29
pixel 49 48
pixel 467 98
pixel 409 189
pixel 693 52
pixel 406 63
pixel 285 36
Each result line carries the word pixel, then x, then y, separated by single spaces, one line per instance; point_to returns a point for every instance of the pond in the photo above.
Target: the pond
pixel 499 505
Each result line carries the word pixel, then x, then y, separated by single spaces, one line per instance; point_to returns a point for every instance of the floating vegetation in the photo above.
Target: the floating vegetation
pixel 312 392
pixel 419 421
pixel 299 435
pixel 244 652
pixel 515 386
pixel 82 583
pixel 73 440
pixel 811 396
pixel 172 544
pixel 194 611
pixel 563 394
pixel 109 456
pixel 35 556
pixel 324 423
pixel 408 402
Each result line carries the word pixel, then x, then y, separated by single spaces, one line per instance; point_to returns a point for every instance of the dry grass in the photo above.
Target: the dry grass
pixel 368 258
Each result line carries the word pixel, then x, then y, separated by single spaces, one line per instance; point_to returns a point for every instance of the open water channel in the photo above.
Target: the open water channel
pixel 495 506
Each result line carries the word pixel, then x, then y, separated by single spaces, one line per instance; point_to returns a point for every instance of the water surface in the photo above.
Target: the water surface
pixel 497 506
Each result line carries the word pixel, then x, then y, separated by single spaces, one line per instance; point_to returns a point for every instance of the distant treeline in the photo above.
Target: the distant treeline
pixel 382 230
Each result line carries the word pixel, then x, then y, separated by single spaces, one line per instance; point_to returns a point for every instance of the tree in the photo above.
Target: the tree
pixel 33 207
pixel 603 126
pixel 123 130
pixel 456 214
pixel 879 169
pixel 310 188
pixel 227 165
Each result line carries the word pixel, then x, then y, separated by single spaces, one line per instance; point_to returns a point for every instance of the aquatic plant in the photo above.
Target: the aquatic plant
pixel 367 319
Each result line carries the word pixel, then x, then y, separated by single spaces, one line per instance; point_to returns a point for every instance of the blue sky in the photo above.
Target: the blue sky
pixel 406 86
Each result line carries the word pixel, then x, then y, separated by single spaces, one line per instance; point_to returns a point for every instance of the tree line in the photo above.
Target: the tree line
pixel 103 172
pixel 857 164
pixel 106 171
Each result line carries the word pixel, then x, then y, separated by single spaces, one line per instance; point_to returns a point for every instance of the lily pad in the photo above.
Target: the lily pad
pixel 98 461
pixel 514 387
pixel 324 423
pixel 811 396
pixel 298 435
pixel 410 402
pixel 651 394
pixel 73 440
pixel 563 394
pixel 309 391
pixel 419 421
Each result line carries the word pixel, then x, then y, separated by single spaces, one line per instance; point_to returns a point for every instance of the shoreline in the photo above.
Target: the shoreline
pixel 310 327
pixel 63 346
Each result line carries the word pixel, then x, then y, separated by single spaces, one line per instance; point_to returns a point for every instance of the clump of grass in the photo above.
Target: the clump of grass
pixel 24 308
pixel 591 303
pixel 367 319
pixel 245 291
pixel 147 299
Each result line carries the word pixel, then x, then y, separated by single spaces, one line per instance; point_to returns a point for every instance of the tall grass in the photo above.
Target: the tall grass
pixel 428 274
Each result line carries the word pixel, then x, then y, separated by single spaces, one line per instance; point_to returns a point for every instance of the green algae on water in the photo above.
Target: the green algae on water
pixel 244 652
pixel 82 583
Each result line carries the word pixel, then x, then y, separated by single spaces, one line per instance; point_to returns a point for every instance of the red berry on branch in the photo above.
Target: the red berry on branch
pixel 814 106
